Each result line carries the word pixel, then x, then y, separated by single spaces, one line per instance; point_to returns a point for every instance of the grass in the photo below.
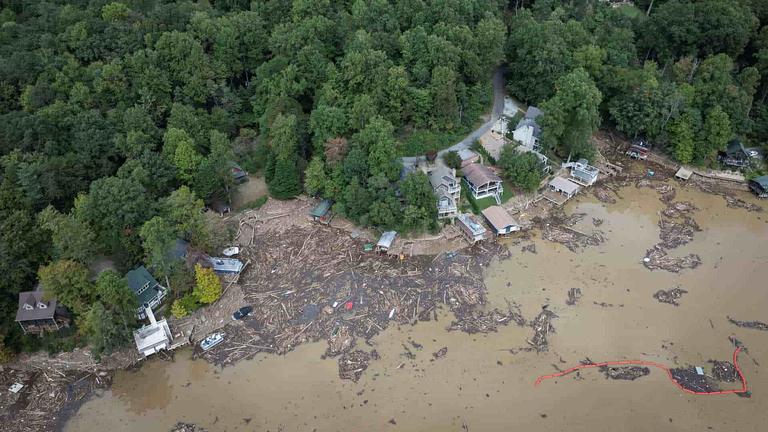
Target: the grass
pixel 255 204
pixel 630 11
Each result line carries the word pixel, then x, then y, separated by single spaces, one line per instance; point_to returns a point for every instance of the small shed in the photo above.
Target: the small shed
pixel 759 186
pixel 152 337
pixel 564 186
pixel 468 157
pixel 471 228
pixel 386 241
pixel 500 220
pixel 684 173
pixel 322 212
pixel 226 265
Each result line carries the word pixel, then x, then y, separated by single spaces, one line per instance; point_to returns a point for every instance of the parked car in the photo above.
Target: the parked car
pixel 242 312
pixel 211 341
pixel 754 153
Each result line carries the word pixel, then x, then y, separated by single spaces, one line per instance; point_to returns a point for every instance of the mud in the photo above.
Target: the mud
pixel 485 382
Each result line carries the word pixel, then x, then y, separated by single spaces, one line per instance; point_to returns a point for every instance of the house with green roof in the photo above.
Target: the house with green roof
pixel 148 290
pixel 759 186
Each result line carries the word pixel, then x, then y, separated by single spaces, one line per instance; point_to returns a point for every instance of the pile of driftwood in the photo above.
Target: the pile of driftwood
pixel 666 191
pixel 678 208
pixel 317 283
pixel 353 364
pixel 559 228
pixel 628 373
pixel 724 371
pixel 473 320
pixel 670 296
pixel 604 194
pixel 676 232
pixel 542 326
pixel 734 202
pixel 757 325
pixel 187 427
pixel 657 258
pixel 47 397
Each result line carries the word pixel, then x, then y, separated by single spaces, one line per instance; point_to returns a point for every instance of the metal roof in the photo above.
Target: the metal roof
pixel 762 181
pixel 499 218
pixel 322 208
pixel 564 185
pixel 141 282
pixel 684 173
pixel 472 224
pixel 226 265
pixel 387 238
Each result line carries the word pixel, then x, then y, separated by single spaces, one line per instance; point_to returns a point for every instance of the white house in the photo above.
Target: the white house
pixel 447 189
pixel 471 228
pixel 482 182
pixel 154 336
pixel 564 187
pixel 583 173
pixel 528 132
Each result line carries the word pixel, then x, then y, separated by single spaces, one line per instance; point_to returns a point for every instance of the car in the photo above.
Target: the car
pixel 242 312
pixel 211 341
pixel 754 153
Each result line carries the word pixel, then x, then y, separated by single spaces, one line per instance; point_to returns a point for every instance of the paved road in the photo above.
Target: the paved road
pixel 496 111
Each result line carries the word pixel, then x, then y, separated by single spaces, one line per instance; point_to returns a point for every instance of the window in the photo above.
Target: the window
pixel 42 305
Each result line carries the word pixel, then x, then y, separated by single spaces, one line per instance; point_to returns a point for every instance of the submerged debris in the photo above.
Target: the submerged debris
pixel 187 427
pixel 603 194
pixel 597 222
pixel 689 379
pixel 629 373
pixel 475 321
pixel 666 191
pixel 757 325
pixel 574 294
pixel 675 232
pixel 670 296
pixel 340 342
pixel 529 248
pixel 734 202
pixel 656 258
pixel 542 326
pixel 352 365
pixel 440 353
pixel 678 208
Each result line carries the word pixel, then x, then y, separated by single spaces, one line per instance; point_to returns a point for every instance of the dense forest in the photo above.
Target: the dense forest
pixel 120 119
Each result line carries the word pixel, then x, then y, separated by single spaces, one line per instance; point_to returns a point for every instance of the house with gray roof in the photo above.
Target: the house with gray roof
pixel 759 186
pixel 482 182
pixel 36 315
pixel 447 189
pixel 149 292
pixel 528 132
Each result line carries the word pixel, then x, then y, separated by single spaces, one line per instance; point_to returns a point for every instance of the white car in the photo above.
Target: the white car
pixel 753 153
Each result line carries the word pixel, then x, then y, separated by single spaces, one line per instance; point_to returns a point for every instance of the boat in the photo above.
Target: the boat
pixel 211 341
pixel 231 251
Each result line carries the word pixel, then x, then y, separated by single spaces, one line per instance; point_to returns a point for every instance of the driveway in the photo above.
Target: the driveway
pixel 496 111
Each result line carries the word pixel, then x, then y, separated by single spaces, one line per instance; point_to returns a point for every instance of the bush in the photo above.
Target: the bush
pixel 207 285
pixel 522 169
pixel 452 159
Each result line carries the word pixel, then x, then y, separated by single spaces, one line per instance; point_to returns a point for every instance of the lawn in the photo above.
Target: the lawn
pixel 484 203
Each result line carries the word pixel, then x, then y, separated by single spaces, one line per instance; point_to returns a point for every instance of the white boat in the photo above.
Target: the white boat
pixel 211 341
pixel 231 251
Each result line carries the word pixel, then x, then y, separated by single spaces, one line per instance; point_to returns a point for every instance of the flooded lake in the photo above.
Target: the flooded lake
pixel 480 385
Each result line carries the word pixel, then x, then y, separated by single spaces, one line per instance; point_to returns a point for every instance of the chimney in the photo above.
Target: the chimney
pixel 150 315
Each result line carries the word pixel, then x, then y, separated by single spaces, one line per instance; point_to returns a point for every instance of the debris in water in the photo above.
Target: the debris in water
pixel 724 371
pixel 597 222
pixel 629 373
pixel 440 353
pixel 529 248
pixel 187 427
pixel 352 365
pixel 542 326
pixel 603 194
pixel 574 294
pixel 670 296
pixel 757 325
pixel 656 258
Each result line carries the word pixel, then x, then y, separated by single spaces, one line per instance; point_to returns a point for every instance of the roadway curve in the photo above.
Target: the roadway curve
pixel 496 111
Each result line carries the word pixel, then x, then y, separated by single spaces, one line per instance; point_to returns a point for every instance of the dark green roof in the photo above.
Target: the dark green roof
pixel 322 209
pixel 138 279
pixel 762 181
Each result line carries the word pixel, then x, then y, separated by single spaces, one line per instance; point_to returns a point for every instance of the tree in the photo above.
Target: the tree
pixel 159 238
pixel 315 178
pixel 378 138
pixel 524 170
pixel 207 285
pixel 183 210
pixel 285 184
pixel 452 159
pixel 715 134
pixel 72 239
pixel 571 115
pixel 446 105
pixel 68 282
pixel 421 210
pixel 681 137
pixel 110 321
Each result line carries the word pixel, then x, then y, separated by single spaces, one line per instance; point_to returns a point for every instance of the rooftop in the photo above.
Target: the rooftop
pixel 322 208
pixel 762 181
pixel 226 265
pixel 143 284
pixel 472 224
pixel 466 154
pixel 479 175
pixel 442 175
pixel 387 238
pixel 684 173
pixel 564 185
pixel 32 306
pixel 151 335
pixel 498 217
pixel 533 113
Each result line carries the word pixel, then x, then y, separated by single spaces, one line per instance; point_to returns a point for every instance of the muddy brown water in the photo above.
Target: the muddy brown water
pixel 480 385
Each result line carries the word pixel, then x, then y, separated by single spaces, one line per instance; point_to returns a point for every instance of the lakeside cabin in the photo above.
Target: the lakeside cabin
pixel 322 212
pixel 36 315
pixel 482 182
pixel 561 190
pixel 759 186
pixel 500 220
pixel 152 337
pixel 583 173
pixel 386 241
pixel 471 228
pixel 447 188
pixel 735 155
pixel 148 290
